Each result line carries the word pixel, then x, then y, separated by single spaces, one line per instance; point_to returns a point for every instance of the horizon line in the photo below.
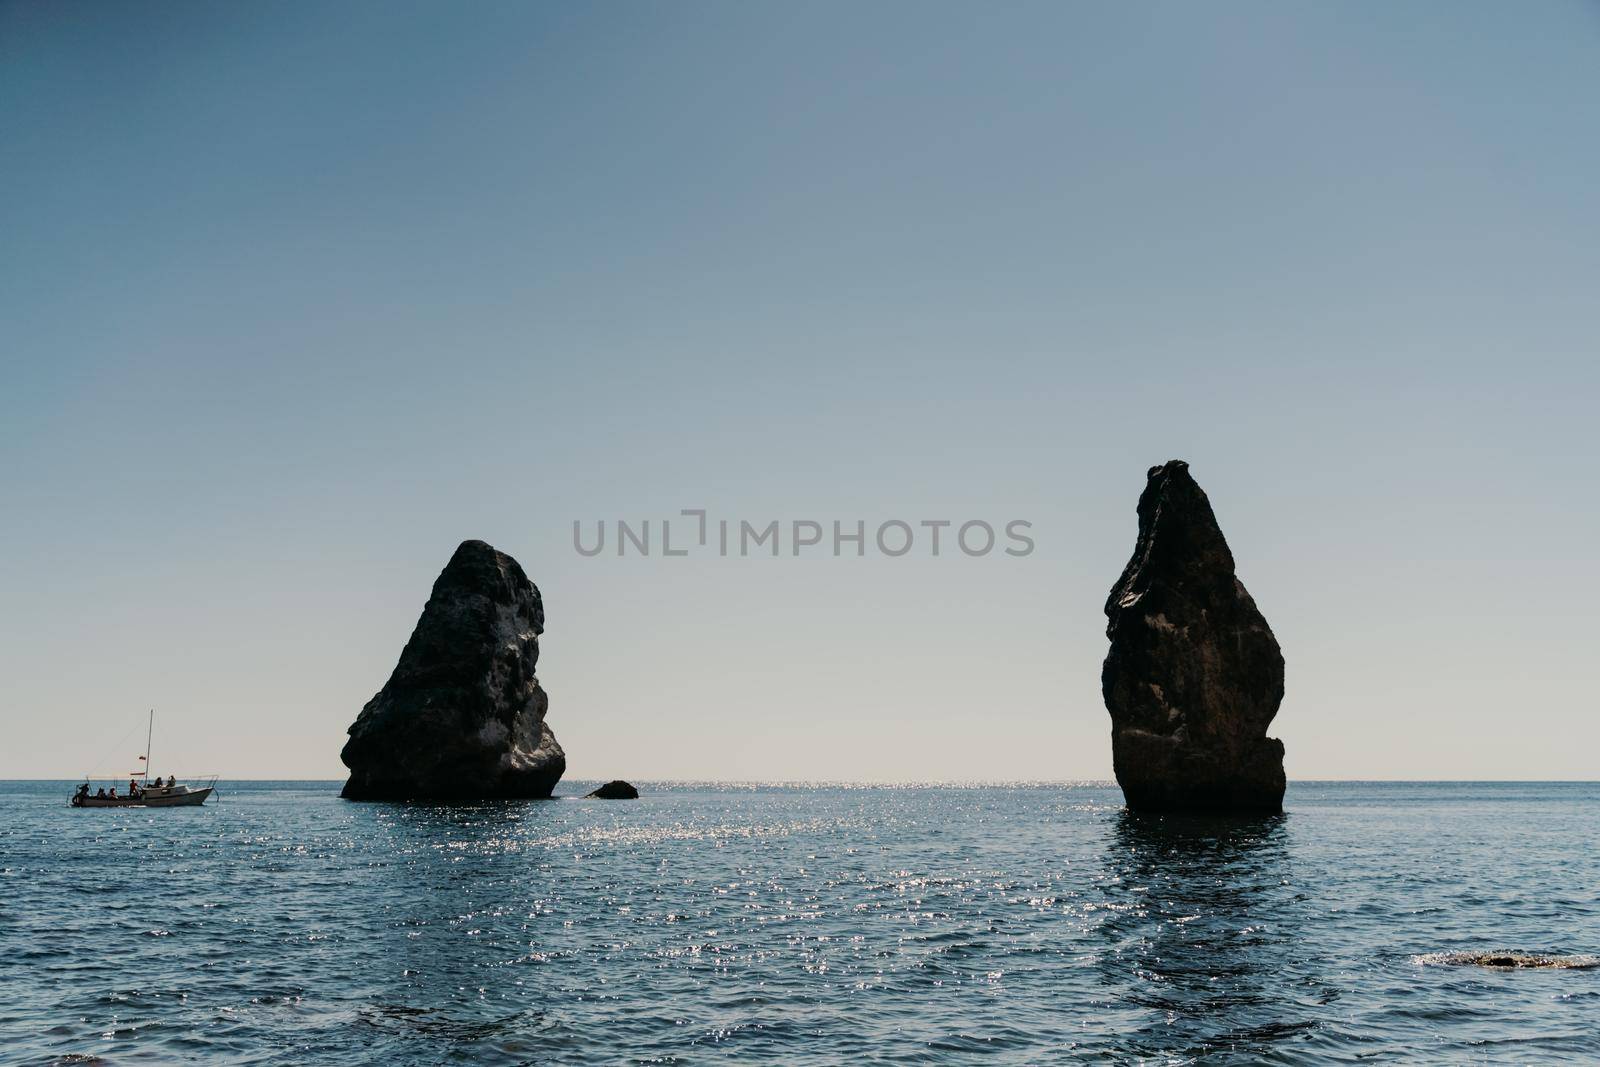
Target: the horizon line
pixel 919 782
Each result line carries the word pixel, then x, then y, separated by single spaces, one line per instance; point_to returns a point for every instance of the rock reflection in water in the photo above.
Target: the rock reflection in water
pixel 1199 922
pixel 475 898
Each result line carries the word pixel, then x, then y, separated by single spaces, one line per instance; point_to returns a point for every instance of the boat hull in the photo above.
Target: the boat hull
pixel 192 799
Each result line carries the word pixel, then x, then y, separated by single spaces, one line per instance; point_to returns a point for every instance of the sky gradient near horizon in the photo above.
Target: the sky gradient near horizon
pixel 296 297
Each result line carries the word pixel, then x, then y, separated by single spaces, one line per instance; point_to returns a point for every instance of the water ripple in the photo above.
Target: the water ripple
pixel 801 925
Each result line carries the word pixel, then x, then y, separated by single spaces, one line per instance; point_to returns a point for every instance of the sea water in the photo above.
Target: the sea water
pixel 798 925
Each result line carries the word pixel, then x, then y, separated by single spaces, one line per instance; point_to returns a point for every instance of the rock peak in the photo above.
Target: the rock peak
pixel 1194 674
pixel 477 568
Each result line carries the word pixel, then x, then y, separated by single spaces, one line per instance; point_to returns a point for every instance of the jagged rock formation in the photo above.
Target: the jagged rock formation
pixel 617 790
pixel 1194 675
pixel 462 716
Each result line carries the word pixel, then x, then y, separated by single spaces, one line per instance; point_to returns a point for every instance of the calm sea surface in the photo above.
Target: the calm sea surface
pixel 805 925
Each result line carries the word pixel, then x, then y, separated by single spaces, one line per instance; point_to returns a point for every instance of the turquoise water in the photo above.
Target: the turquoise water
pixel 806 925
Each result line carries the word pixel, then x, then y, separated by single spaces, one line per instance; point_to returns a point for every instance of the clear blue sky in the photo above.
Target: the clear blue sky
pixel 295 297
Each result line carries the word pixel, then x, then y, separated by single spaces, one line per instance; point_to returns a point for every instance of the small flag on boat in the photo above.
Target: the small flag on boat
pixel 141 757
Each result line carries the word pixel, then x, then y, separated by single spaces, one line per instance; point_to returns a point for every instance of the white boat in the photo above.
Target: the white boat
pixel 174 796
pixel 163 793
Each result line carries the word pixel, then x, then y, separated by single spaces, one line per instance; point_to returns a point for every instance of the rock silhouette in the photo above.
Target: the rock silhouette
pixel 1194 675
pixel 462 716
pixel 617 790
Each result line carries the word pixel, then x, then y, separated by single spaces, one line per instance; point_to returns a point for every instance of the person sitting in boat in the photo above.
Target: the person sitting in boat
pixel 113 794
pixel 133 788
pixel 171 781
pixel 83 792
pixel 100 794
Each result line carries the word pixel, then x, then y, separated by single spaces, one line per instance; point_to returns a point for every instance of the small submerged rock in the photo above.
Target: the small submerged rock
pixel 615 790
pixel 1508 960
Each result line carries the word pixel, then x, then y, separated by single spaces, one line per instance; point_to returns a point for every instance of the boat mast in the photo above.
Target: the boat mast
pixel 149 732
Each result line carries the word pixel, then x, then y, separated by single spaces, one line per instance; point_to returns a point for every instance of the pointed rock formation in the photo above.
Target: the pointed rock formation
pixel 1194 675
pixel 462 716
